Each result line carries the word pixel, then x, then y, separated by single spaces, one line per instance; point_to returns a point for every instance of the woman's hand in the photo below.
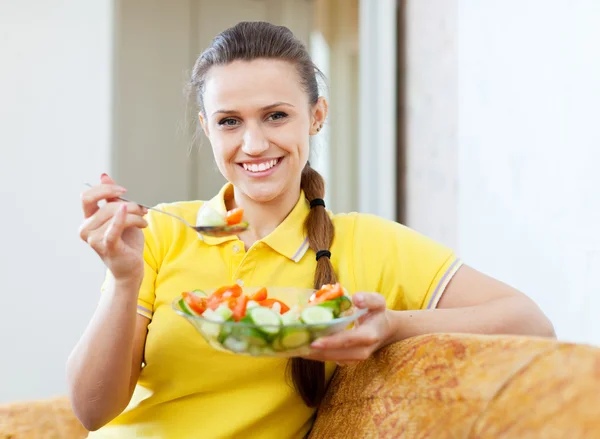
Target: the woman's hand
pixel 371 332
pixel 114 230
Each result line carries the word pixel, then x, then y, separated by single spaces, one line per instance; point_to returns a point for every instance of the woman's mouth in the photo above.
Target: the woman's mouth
pixel 261 168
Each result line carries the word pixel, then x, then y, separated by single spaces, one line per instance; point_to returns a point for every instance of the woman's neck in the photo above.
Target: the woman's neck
pixel 263 217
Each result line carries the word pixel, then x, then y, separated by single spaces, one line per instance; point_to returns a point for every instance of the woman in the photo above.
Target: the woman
pixel 258 104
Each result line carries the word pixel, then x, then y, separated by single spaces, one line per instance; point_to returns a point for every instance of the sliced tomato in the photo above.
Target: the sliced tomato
pixel 228 291
pixel 223 295
pixel 198 304
pixel 270 302
pixel 260 295
pixel 234 216
pixel 330 288
pixel 328 292
pixel 213 302
pixel 238 306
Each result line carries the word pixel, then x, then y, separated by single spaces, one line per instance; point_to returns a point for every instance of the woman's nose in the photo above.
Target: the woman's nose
pixel 254 141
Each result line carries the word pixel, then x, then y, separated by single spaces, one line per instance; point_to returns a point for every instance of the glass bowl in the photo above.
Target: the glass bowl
pixel 283 340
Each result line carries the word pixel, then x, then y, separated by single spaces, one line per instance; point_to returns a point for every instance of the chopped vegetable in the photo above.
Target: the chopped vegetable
pixel 239 308
pixel 266 324
pixel 194 302
pixel 208 216
pixel 260 295
pixel 327 292
pixel 268 303
pixel 234 216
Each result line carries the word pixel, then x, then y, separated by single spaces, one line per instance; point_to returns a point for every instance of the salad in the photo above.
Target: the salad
pixel 260 324
pixel 210 217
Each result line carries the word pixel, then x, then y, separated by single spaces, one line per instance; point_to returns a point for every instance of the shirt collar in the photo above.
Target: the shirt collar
pixel 289 238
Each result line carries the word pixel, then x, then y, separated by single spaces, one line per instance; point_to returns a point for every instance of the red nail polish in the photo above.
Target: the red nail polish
pixel 104 175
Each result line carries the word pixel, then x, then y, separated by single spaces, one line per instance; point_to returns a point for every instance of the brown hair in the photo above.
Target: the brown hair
pixel 247 41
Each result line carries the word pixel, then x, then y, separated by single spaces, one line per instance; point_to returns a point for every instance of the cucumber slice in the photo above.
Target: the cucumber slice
pixel 224 312
pixel 199 293
pixel 186 309
pixel 294 338
pixel 345 303
pixel 251 304
pixel 252 335
pixel 235 345
pixel 338 305
pixel 209 217
pixel 276 345
pixel 209 314
pixel 255 337
pixel 265 319
pixel 290 318
pixel 314 315
pixel 276 307
pixel 333 305
pixel 212 328
pixel 226 331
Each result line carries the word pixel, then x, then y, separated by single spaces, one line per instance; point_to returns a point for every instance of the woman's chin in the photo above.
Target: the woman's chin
pixel 263 192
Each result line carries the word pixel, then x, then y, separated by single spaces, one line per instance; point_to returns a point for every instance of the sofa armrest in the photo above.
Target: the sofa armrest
pixel 47 419
pixel 463 386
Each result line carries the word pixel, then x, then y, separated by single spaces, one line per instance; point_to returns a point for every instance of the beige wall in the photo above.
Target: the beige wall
pixel 157 45
pixel 431 111
pixel 55 134
pixel 503 145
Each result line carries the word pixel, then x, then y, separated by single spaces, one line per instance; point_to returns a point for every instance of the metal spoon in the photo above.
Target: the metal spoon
pixel 216 231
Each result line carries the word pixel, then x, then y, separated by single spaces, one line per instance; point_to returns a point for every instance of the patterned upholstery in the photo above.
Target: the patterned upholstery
pixel 47 419
pixel 433 386
pixel 465 386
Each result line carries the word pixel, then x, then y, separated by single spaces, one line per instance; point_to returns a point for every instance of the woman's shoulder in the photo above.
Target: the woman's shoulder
pixel 375 233
pixel 360 224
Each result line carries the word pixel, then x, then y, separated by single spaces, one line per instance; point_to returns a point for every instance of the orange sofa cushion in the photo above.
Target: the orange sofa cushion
pixel 466 386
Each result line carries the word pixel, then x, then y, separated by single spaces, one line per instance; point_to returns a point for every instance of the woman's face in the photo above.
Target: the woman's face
pixel 258 119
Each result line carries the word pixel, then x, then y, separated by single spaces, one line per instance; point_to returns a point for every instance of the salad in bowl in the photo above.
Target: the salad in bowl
pixel 267 321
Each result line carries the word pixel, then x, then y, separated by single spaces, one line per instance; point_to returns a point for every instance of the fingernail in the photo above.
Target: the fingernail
pixel 103 175
pixel 359 299
pixel 121 189
pixel 317 344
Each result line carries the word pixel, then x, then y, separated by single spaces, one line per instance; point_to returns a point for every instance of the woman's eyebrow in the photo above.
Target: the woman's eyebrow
pixel 268 107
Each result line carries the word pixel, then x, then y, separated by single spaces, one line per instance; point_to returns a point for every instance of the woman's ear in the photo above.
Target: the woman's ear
pixel 319 114
pixel 203 123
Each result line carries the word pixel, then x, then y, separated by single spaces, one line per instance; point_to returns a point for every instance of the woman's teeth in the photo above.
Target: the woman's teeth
pixel 259 167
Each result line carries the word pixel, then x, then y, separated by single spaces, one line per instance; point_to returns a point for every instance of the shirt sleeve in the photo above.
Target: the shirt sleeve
pixel 408 268
pixel 152 255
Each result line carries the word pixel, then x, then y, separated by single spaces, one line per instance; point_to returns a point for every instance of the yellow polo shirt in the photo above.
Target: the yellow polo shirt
pixel 188 389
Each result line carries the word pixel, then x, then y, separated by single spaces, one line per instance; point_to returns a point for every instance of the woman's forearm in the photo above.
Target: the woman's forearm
pixel 99 369
pixel 507 315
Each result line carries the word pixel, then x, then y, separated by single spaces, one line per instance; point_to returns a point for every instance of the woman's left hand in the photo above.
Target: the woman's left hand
pixel 371 332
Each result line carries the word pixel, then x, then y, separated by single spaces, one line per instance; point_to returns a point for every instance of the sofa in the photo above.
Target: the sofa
pixel 433 386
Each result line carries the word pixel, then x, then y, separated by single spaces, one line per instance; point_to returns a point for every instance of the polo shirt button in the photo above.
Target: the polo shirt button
pixel 236 249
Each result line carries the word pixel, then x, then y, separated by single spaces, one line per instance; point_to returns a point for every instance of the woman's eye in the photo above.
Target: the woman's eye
pixel 228 122
pixel 277 115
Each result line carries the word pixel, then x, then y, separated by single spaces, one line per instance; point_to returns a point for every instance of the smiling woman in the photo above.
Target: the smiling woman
pixel 141 371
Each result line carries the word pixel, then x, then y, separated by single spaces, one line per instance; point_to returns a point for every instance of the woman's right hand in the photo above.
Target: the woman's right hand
pixel 114 230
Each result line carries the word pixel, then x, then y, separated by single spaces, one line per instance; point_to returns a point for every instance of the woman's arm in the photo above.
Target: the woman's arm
pixel 104 367
pixel 474 303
